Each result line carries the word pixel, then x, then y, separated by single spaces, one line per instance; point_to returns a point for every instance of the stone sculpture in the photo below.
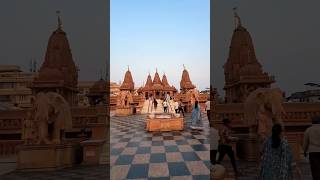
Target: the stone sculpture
pixel 262 108
pixel 192 96
pixel 52 115
pixel 125 99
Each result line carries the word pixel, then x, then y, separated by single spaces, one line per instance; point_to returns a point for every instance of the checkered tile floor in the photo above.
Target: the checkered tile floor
pixel 138 154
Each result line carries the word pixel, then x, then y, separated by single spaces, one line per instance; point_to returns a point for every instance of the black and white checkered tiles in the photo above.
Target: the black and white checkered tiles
pixel 138 154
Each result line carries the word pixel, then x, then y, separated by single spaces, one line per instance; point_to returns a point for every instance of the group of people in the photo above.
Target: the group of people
pixel 277 162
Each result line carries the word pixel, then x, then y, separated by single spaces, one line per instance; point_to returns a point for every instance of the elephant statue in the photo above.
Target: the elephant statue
pixel 262 108
pixel 124 99
pixel 52 115
pixel 192 96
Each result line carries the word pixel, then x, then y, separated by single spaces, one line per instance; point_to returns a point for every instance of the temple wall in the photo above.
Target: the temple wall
pixel 11 124
pixel 297 118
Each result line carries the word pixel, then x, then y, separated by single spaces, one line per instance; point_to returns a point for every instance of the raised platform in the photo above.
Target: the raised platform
pixel 123 111
pixel 45 157
pixel 164 122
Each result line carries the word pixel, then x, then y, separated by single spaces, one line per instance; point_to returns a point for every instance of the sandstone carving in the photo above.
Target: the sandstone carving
pixel 52 115
pixel 125 99
pixel 263 107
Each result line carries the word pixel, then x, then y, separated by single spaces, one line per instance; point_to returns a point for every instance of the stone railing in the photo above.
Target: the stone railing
pixel 11 124
pixel 82 116
pixel 8 147
pixel 11 120
pixel 296 119
pixel 296 113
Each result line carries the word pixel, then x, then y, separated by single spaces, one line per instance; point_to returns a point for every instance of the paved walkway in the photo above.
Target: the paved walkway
pixel 137 154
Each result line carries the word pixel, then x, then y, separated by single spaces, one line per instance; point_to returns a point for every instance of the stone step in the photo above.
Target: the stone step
pixel 104 157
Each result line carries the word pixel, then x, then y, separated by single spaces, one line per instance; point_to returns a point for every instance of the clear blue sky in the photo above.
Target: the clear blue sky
pixel 166 34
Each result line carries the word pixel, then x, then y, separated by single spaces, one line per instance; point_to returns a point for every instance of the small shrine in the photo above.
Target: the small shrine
pixel 127 102
pixel 189 94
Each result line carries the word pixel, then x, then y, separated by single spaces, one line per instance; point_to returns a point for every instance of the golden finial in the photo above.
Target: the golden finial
pixel 59 20
pixel 184 67
pixel 237 21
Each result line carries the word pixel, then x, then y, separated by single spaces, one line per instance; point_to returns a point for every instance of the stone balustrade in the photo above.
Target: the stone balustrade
pixel 296 119
pixel 8 147
pixel 11 122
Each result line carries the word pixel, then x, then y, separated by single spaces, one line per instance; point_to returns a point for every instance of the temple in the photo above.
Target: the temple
pixel 157 88
pixel 185 83
pixel 55 132
pixel 58 72
pixel 243 72
pixel 127 84
pixel 243 75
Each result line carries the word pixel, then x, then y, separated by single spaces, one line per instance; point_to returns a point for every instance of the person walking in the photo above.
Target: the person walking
pixel 155 103
pixel 277 158
pixel 181 107
pixel 165 106
pixel 207 108
pixel 225 146
pixel 196 116
pixel 214 143
pixel 311 145
pixel 176 106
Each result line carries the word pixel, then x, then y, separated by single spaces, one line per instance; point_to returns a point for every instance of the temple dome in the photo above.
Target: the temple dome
pixel 149 81
pixel 156 79
pixel 128 83
pixel 58 60
pixel 185 82
pixel 165 81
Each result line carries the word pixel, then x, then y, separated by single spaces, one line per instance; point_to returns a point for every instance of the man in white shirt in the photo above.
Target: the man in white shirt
pixel 311 145
pixel 176 106
pixel 165 106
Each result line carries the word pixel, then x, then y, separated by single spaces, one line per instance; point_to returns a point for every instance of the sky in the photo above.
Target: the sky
pixel 162 34
pixel 27 26
pixel 285 36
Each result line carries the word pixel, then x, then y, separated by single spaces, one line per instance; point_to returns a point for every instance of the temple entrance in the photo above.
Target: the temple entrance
pixel 157 94
pixel 147 95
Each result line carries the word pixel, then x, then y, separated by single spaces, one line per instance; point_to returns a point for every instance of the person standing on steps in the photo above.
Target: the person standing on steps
pixel 155 103
pixel 165 106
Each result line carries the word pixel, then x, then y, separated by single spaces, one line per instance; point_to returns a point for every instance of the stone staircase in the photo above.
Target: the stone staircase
pixel 148 107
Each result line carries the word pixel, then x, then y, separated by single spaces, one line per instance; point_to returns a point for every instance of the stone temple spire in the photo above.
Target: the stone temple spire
pixel 59 20
pixel 243 72
pixel 127 83
pixel 237 18
pixel 185 83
